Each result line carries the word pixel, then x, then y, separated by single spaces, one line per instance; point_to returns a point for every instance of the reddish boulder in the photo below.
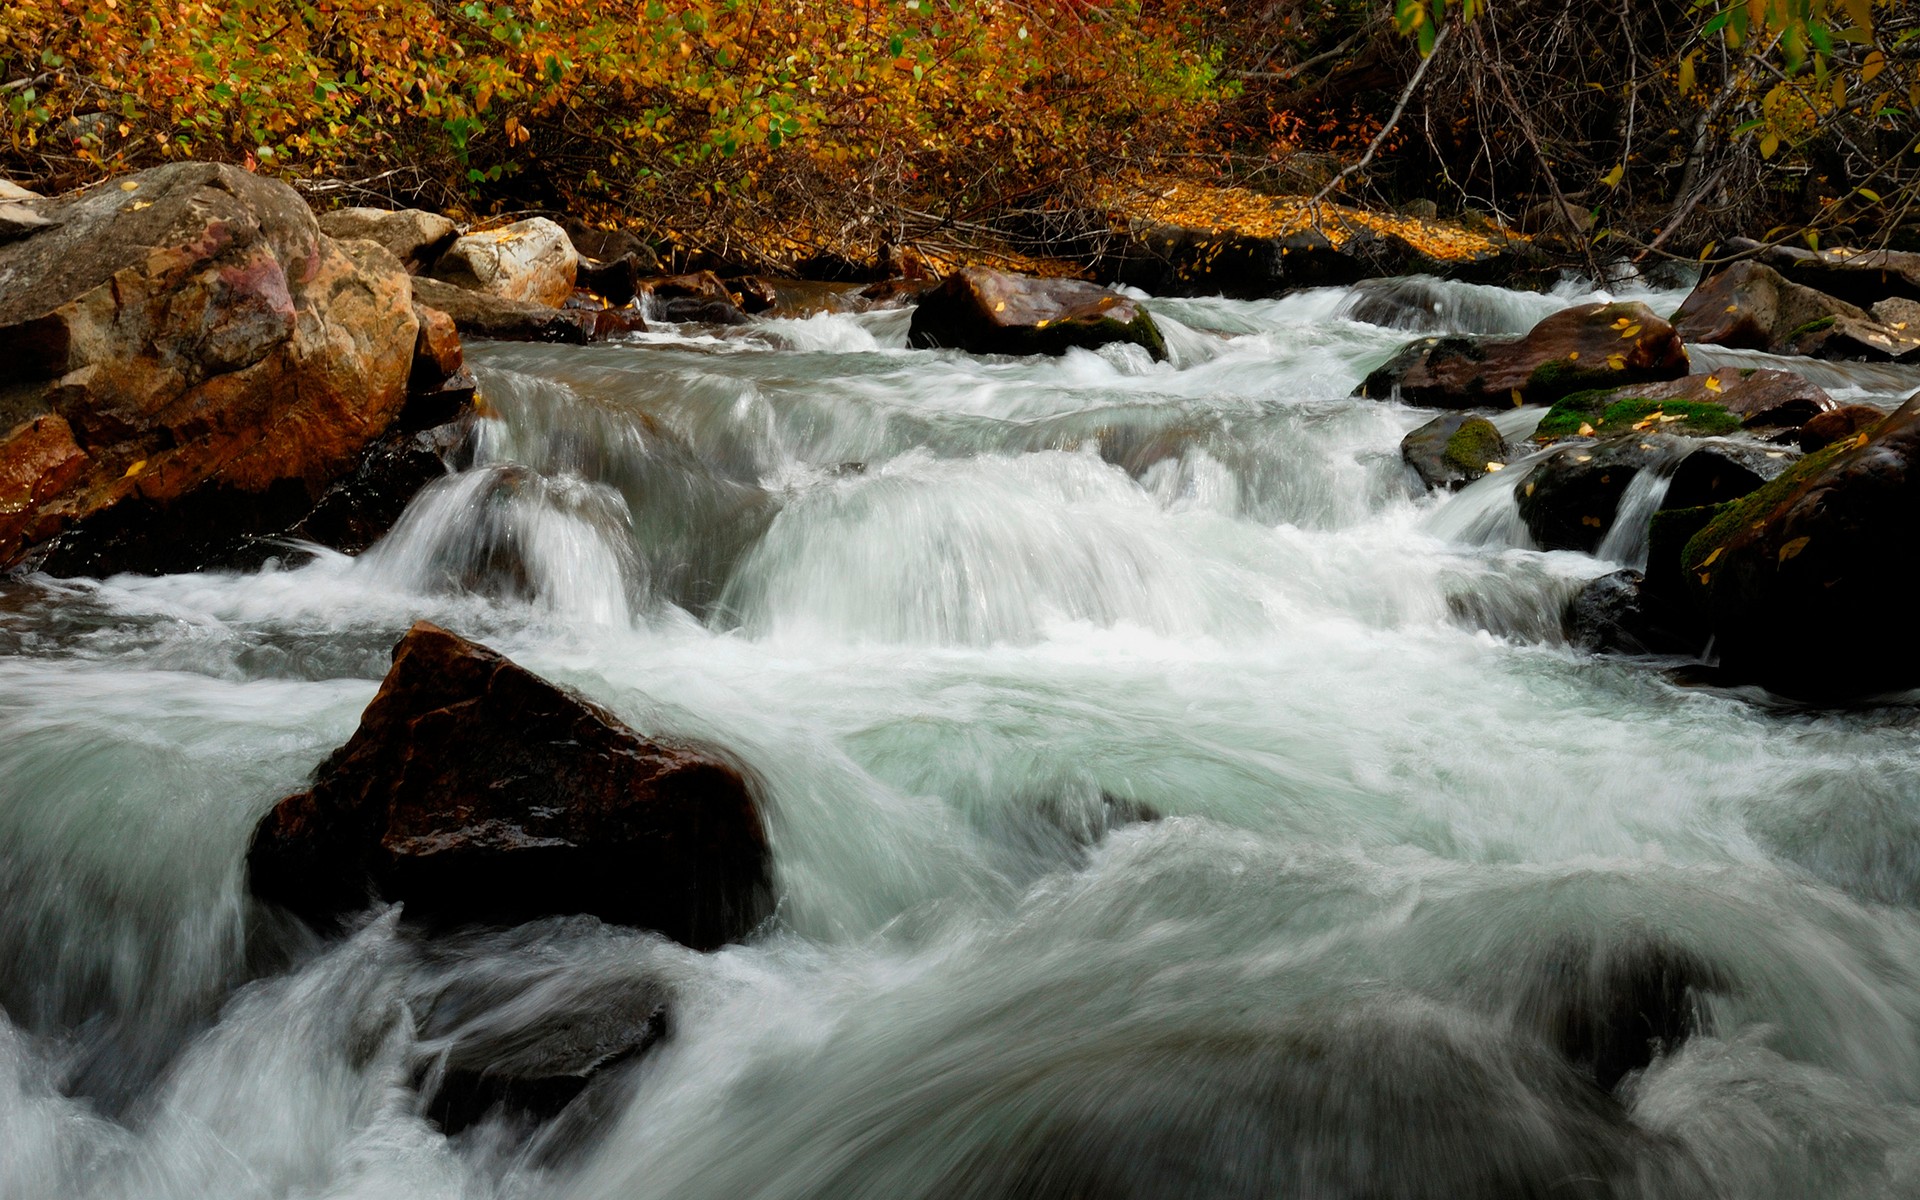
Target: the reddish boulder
pixel 476 792
pixel 1578 349
pixel 194 332
pixel 991 312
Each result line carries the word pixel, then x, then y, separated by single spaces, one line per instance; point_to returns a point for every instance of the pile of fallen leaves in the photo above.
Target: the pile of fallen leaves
pixel 1236 210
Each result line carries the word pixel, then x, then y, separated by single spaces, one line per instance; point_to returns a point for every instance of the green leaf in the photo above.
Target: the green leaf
pixel 1869 193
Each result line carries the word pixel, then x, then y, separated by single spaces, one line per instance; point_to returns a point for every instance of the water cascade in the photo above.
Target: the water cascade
pixel 1165 799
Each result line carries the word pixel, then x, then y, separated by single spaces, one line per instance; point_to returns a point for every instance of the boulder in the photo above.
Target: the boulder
pixel 187 339
pixel 11 192
pixel 529 261
pixel 1454 449
pixel 984 311
pixel 1829 427
pixel 1580 348
pixel 1716 402
pixel 475 792
pixel 480 315
pixel 1819 547
pixel 1858 277
pixel 1751 306
pixel 1569 500
pixel 416 238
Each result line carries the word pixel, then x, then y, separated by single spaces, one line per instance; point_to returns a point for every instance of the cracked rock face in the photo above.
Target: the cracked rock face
pixel 188 331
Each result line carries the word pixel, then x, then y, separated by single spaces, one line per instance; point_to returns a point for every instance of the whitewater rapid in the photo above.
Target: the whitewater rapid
pixel 1165 799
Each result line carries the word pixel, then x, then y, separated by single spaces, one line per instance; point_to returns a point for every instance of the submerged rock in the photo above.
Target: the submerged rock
pixel 529 261
pixel 526 1048
pixel 697 296
pixel 1611 1009
pixel 1453 450
pixel 1580 348
pixel 984 311
pixel 475 792
pixel 1823 546
pixel 190 357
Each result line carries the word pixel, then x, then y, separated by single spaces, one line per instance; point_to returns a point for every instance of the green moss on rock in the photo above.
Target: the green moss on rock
pixel 1475 444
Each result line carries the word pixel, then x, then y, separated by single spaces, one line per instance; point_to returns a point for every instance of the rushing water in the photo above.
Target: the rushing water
pixel 966 621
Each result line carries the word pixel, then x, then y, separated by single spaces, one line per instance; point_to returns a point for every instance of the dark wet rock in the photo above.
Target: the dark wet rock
pixel 1609 616
pixel 1858 277
pixel 416 238
pixel 479 315
pixel 187 344
pixel 686 310
pixel 1611 1008
pixel 1454 449
pixel 1724 470
pixel 757 293
pixel 1829 427
pixel 514 1049
pixel 529 262
pixel 1569 500
pixel 359 509
pixel 615 281
pixel 606 323
pixel 799 298
pixel 1823 546
pixel 1169 260
pixel 1581 348
pixel 697 297
pixel 1751 306
pixel 984 311
pixel 896 293
pixel 475 792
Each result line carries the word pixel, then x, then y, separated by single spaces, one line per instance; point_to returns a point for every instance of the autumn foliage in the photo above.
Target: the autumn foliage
pixel 825 112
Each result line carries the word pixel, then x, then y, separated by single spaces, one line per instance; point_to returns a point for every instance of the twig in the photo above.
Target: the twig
pixel 1373 147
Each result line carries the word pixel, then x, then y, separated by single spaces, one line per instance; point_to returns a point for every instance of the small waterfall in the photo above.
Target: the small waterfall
pixel 1626 539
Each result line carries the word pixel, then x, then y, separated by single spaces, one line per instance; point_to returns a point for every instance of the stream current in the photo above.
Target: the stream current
pixel 1165 799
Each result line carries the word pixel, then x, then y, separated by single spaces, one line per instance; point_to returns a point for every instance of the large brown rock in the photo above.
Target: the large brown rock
pixel 183 332
pixel 416 238
pixel 1751 306
pixel 1826 546
pixel 992 312
pixel 1580 348
pixel 529 261
pixel 476 792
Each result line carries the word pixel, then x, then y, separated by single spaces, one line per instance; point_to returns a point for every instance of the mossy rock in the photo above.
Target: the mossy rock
pixel 1454 449
pixel 1604 413
pixel 1735 515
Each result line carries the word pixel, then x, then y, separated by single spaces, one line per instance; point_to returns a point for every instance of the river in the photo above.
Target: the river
pixel 1164 799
